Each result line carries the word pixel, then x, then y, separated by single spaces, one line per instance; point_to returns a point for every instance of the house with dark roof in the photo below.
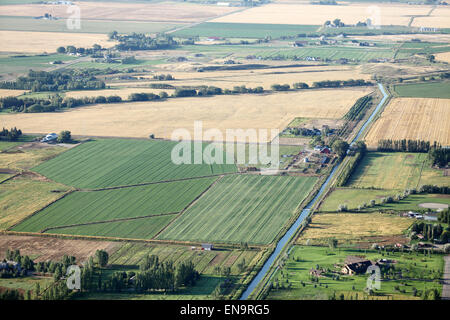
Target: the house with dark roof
pixel 355 265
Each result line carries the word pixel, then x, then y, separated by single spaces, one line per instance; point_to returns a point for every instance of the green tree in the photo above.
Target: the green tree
pixel 340 147
pixel 64 137
pixel 61 50
pixel 102 257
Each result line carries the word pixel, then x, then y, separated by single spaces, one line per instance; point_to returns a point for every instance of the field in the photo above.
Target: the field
pixel 40 42
pixel 238 209
pixel 445 56
pixel 352 228
pixel 22 63
pixel 33 192
pixel 303 258
pixel 87 26
pixel 96 206
pixel 425 90
pixel 99 164
pixel 308 14
pixel 122 92
pixel 245 30
pixel 140 119
pixel 27 155
pixel 10 93
pixel 439 18
pixel 49 248
pixel 145 228
pixel 413 118
pixel 260 77
pixel 155 12
pixel 357 197
pixel 397 170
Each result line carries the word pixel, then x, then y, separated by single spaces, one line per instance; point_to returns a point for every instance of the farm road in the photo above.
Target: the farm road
pixel 446 287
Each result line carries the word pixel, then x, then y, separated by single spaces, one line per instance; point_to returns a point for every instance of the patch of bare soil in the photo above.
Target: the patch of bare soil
pixel 367 242
pixel 47 248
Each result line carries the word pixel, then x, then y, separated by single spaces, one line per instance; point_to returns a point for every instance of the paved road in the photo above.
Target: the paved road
pixel 446 287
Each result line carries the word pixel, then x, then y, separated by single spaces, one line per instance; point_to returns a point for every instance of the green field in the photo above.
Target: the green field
pixel 19 64
pixel 356 197
pixel 130 202
pixel 244 208
pixel 143 228
pixel 87 26
pixel 245 30
pixel 396 170
pixel 424 90
pixel 119 162
pixel 303 258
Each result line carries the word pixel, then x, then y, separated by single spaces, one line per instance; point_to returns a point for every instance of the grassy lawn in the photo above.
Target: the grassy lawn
pixel 351 228
pixel 303 258
pixel 95 206
pixel 399 170
pixel 245 208
pixel 424 90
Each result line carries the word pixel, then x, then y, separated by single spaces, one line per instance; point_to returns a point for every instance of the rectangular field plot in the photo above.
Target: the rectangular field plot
pixel 107 163
pixel 144 228
pixel 398 170
pixel 238 209
pixel 245 30
pixel 86 207
pixel 424 90
pixel 413 118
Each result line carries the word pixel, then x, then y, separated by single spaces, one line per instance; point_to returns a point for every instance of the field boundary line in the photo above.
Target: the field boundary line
pixel 106 221
pixel 10 178
pixel 218 245
pixel 187 207
pixel 39 210
pixel 157 182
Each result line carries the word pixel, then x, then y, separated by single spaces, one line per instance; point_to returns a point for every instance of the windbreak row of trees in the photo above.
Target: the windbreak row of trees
pixel 33 105
pixel 341 83
pixel 37 81
pixel 404 145
pixel 140 41
pixel 358 110
pixel 10 135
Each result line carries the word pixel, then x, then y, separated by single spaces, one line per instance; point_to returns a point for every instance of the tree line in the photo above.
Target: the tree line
pixel 140 41
pixel 430 231
pixel 10 135
pixel 37 81
pixel 404 145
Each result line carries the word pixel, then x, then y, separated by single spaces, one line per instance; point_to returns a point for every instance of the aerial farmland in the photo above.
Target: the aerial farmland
pixel 241 150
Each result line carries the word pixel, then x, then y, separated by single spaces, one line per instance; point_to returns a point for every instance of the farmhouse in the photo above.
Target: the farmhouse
pixel 355 265
pixel 51 137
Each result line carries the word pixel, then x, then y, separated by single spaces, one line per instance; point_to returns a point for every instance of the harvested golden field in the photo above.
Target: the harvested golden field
pixel 10 93
pixel 139 119
pixel 439 18
pixel 352 227
pixel 39 42
pixel 156 12
pixel 264 77
pixel 413 118
pixel 121 92
pixel 47 248
pixel 34 193
pixel 444 56
pixel 308 14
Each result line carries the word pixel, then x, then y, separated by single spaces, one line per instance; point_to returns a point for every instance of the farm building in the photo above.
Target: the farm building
pixel 207 246
pixel 355 265
pixel 325 150
pixel 50 137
